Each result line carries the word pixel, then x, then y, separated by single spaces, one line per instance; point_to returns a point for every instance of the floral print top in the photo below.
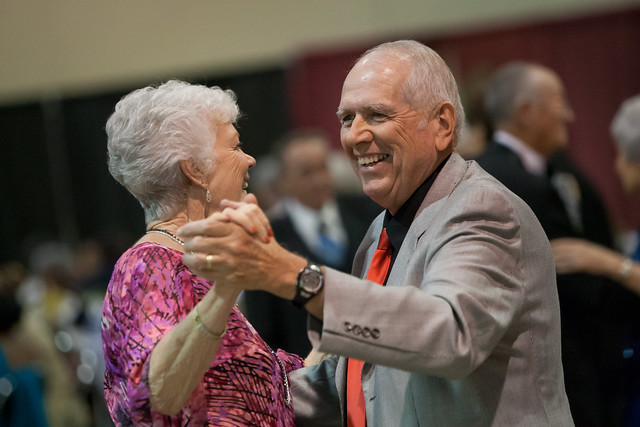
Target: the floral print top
pixel 151 291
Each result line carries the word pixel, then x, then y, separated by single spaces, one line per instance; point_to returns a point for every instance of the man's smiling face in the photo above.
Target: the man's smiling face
pixel 389 142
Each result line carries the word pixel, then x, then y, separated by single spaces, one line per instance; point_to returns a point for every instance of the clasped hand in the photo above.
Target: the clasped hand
pixel 235 248
pixel 216 246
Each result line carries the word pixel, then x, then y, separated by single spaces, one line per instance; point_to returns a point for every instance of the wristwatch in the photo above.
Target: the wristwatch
pixel 310 282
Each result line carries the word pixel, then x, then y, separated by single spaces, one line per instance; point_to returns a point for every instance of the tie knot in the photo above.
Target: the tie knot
pixel 384 243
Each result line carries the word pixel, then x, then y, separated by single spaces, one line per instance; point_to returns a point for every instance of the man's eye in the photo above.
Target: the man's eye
pixel 379 117
pixel 346 120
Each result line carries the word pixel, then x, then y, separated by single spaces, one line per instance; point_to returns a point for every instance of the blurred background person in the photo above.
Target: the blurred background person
pixel 42 374
pixel 477 130
pixel 62 297
pixel 313 220
pixel 574 255
pixel 264 184
pixel 527 107
pixel 21 376
pixel 177 349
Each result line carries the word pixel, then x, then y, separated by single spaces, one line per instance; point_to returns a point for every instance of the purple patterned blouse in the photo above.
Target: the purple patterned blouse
pixel 150 291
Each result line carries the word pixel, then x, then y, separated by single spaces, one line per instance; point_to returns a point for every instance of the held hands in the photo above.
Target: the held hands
pixel 207 237
pixel 235 248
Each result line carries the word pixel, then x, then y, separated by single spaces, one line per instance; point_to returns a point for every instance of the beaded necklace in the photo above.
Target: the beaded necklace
pixel 166 233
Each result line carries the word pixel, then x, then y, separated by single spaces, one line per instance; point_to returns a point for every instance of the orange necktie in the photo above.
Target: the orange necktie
pixel 356 414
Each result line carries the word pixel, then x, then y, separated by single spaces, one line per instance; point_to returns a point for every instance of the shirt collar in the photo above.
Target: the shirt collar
pixel 306 220
pixel 398 225
pixel 532 161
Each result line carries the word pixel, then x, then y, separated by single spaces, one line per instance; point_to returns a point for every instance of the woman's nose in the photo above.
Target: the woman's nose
pixel 251 160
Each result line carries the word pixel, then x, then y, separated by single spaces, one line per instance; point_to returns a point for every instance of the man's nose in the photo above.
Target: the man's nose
pixel 359 131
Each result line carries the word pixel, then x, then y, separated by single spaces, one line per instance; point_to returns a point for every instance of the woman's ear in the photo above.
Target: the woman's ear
pixel 446 117
pixel 192 172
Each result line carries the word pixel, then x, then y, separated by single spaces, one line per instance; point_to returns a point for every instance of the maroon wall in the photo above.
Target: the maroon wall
pixel 597 56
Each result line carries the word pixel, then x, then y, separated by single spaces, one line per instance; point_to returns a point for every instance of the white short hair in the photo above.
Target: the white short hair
pixel 625 128
pixel 430 80
pixel 152 129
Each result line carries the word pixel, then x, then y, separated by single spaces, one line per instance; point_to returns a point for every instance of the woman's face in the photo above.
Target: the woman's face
pixel 629 174
pixel 230 175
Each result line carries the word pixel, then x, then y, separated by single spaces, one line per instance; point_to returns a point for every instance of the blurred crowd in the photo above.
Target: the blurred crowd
pixel 51 363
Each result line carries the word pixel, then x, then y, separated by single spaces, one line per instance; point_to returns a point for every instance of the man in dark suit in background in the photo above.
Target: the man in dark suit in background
pixel 312 221
pixel 527 106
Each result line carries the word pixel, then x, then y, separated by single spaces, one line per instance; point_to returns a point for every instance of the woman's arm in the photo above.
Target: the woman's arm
pixel 581 256
pixel 181 358
pixel 315 357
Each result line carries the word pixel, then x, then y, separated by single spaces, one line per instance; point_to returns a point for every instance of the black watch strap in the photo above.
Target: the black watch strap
pixel 309 284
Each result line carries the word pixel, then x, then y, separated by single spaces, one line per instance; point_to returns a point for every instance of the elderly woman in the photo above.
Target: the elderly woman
pixel 576 255
pixel 177 349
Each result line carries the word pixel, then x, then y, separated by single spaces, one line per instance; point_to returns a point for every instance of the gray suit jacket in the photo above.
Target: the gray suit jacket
pixel 468 323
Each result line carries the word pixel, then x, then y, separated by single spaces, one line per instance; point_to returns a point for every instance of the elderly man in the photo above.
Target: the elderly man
pixel 465 330
pixel 527 106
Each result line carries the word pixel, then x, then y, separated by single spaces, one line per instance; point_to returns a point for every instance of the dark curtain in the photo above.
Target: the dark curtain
pixel 54 180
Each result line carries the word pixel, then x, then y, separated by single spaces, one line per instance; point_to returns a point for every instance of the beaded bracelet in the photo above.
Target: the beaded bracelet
pixel 625 269
pixel 203 328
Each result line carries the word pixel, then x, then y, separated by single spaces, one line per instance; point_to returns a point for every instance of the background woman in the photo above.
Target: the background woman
pixel 576 256
pixel 177 350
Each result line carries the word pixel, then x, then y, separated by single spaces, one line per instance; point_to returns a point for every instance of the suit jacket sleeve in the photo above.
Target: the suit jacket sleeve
pixel 315 396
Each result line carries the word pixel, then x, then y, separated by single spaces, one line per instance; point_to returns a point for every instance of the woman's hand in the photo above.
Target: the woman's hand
pixel 315 357
pixel 226 248
pixel 249 216
pixel 581 256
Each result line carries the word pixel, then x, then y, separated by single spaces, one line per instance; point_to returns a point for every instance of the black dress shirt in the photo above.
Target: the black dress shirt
pixel 398 225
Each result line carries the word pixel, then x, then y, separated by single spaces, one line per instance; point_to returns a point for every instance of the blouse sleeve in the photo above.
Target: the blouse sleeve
pixel 147 301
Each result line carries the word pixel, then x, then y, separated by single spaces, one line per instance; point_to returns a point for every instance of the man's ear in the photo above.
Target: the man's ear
pixel 446 122
pixel 523 113
pixel 192 172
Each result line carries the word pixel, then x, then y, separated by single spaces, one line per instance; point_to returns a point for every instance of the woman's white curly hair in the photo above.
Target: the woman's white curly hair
pixel 625 128
pixel 152 129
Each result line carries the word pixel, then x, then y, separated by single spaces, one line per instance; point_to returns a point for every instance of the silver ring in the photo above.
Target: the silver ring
pixel 209 259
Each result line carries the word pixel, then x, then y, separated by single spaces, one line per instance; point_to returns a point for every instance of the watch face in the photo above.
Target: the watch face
pixel 311 280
